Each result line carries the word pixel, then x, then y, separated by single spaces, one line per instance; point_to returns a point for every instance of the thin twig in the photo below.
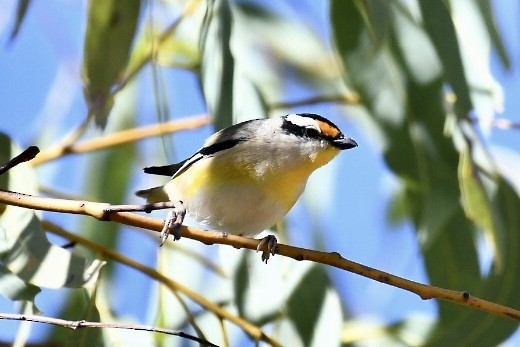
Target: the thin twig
pixel 98 210
pixel 86 324
pixel 348 99
pixel 121 138
pixel 253 331
pixel 26 155
pixel 506 124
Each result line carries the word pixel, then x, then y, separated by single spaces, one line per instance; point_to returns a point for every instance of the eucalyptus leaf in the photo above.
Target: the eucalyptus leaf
pixel 278 54
pixel 311 303
pixel 111 26
pixel 88 337
pixel 420 152
pixel 15 288
pixel 27 253
pixel 486 11
pixel 21 12
pixel 486 93
pixel 416 48
pixel 217 67
pixel 477 204
pixel 284 277
pixel 441 29
pixel 501 286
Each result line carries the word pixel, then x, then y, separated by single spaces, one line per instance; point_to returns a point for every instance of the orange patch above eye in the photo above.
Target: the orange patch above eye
pixel 328 130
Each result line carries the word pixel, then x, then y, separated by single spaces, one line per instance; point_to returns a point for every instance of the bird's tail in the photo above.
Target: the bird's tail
pixel 152 195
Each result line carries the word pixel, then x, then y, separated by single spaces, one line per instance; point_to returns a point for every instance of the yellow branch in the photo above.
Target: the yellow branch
pixel 120 138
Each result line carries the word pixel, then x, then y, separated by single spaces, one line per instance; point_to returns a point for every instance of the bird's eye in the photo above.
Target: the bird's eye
pixel 312 132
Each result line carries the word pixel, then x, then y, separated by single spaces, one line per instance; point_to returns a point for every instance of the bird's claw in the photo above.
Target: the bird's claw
pixel 268 245
pixel 173 222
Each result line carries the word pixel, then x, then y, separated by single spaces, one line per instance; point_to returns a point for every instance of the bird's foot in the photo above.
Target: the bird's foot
pixel 173 222
pixel 268 245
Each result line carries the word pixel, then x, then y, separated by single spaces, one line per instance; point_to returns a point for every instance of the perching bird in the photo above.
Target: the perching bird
pixel 248 176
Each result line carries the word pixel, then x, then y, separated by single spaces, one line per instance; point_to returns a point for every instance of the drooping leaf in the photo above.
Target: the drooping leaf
pixel 415 47
pixel 283 280
pixel 27 253
pixel 314 309
pixel 13 287
pixel 88 337
pixel 425 158
pixel 111 26
pixel 477 204
pixel 21 12
pixel 299 291
pixel 274 63
pixel 501 286
pixel 217 66
pixel 486 10
pixel 441 29
pixel 476 51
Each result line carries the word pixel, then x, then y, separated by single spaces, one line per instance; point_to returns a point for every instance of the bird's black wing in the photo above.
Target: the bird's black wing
pixel 167 170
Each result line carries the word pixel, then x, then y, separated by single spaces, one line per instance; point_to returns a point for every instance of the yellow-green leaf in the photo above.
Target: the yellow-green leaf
pixel 476 202
pixel 111 27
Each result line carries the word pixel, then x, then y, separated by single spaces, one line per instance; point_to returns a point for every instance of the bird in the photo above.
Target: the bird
pixel 247 177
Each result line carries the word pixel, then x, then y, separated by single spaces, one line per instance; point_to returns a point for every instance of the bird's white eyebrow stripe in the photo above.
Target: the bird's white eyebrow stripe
pixel 302 121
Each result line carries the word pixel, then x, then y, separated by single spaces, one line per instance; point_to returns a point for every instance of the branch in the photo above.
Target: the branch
pixel 26 155
pixel 348 99
pixel 85 324
pixel 505 124
pixel 98 211
pixel 121 138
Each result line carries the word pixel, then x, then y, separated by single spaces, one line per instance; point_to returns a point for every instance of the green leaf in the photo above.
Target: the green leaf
pixel 501 286
pixel 486 93
pixel 304 296
pixel 15 288
pixel 274 53
pixel 315 309
pixel 486 10
pixel 439 25
pixel 88 337
pixel 284 276
pixel 111 26
pixel 415 47
pixel 217 66
pixel 77 308
pixel 477 204
pixel 27 253
pixel 425 159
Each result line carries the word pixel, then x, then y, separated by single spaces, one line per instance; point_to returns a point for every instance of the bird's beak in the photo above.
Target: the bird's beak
pixel 344 143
